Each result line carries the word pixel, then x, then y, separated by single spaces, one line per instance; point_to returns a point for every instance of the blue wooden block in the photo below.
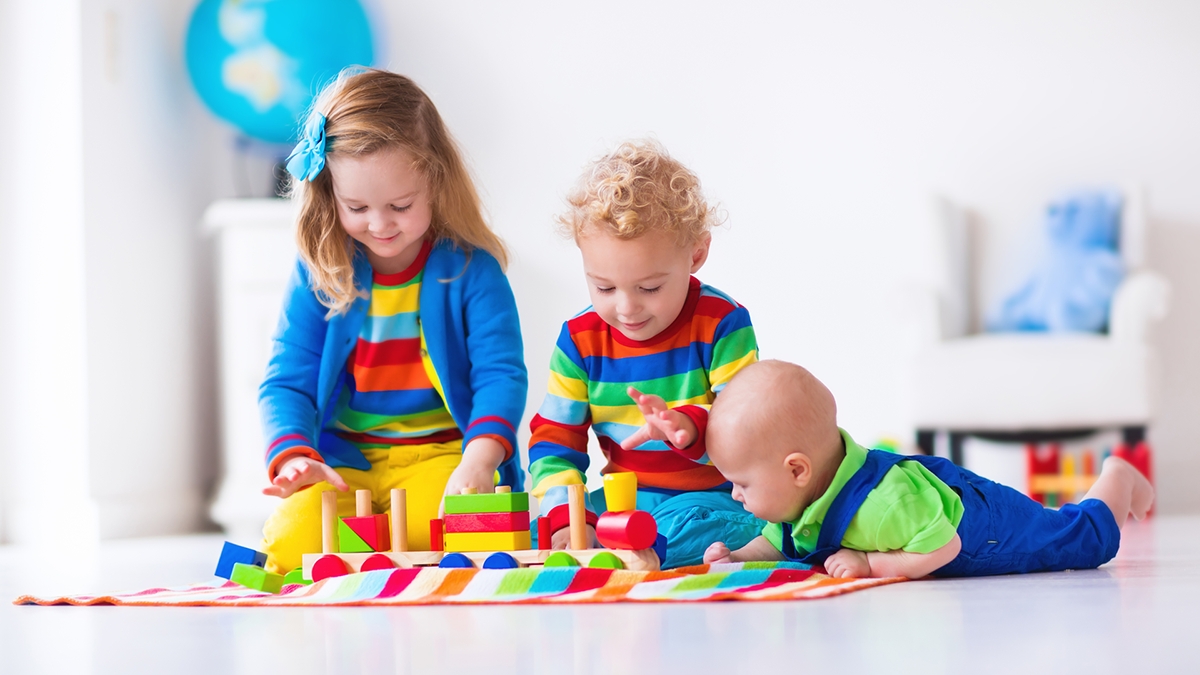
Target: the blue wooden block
pixel 232 554
pixel 456 560
pixel 500 561
pixel 660 547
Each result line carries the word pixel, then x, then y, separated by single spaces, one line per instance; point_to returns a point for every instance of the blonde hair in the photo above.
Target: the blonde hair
pixel 636 189
pixel 366 111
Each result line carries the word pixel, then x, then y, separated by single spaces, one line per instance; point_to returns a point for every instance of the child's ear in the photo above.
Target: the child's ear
pixel 800 467
pixel 700 253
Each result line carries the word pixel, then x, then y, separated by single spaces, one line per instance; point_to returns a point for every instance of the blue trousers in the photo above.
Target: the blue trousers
pixel 692 521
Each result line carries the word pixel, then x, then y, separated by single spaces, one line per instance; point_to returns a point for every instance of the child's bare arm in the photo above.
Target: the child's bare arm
pixel 851 563
pixel 759 548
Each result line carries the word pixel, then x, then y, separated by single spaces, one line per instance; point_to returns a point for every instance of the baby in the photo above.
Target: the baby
pixel 868 513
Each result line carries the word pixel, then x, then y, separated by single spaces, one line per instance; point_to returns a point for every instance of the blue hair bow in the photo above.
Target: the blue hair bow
pixel 308 157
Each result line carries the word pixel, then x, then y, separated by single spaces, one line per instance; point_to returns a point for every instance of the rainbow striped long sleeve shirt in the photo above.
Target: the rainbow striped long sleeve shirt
pixel 591 369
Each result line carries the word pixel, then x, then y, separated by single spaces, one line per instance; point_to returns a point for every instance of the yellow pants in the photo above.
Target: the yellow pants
pixel 422 470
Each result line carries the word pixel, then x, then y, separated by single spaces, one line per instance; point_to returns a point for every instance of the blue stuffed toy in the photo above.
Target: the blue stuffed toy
pixel 1073 289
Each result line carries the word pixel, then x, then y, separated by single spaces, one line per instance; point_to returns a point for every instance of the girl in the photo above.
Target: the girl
pixel 398 360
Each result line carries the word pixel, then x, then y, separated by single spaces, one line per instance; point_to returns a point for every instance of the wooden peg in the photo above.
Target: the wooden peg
pixel 399 520
pixel 469 491
pixel 362 503
pixel 578 514
pixel 329 522
pixel 503 489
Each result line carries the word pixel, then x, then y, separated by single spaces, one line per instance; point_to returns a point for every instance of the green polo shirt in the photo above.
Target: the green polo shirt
pixel 910 510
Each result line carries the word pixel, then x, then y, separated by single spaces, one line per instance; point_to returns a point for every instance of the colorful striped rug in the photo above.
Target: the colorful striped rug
pixel 434 586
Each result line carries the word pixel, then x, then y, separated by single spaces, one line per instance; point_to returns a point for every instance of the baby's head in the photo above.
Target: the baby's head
pixel 773 433
pixel 376 165
pixel 642 224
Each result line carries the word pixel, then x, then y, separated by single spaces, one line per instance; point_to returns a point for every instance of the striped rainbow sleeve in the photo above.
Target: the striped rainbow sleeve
pixel 558 443
pixel 734 347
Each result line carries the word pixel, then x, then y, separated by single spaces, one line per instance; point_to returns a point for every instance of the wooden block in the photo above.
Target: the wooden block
pixel 373 530
pixel 329 543
pixel 631 530
pixel 399 520
pixel 578 514
pixel 500 561
pixel 435 535
pixel 349 541
pixel 232 554
pixel 503 489
pixel 499 502
pixel 379 561
pixel 487 522
pixel 362 503
pixel 1051 483
pixel 544 534
pixel 639 561
pixel 253 576
pixel 296 576
pixel 456 561
pixel 487 541
pixel 328 565
pixel 606 560
pixel 620 491
pixel 561 559
pixel 469 491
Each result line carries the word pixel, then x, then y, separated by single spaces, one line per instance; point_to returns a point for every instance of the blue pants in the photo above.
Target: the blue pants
pixel 692 521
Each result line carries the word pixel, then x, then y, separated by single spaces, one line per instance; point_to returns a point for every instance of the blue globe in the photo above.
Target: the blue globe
pixel 257 64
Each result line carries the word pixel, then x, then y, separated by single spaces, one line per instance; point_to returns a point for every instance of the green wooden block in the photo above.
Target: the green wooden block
pixel 296 576
pixel 252 576
pixel 606 561
pixel 561 559
pixel 499 502
pixel 349 541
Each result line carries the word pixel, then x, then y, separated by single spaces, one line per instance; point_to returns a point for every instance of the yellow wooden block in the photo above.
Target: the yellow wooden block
pixel 620 491
pixel 487 541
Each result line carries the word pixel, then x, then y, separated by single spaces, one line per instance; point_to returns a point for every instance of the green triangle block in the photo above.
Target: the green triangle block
pixel 349 541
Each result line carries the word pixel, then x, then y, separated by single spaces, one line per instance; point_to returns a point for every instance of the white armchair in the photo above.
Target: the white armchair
pixel 1033 387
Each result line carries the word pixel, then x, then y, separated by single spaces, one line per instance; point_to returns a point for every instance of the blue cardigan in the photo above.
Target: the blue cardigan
pixel 471 332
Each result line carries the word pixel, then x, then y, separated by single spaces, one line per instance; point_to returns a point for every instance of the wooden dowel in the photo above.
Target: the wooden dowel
pixel 578 514
pixel 503 489
pixel 362 503
pixel 329 542
pixel 399 520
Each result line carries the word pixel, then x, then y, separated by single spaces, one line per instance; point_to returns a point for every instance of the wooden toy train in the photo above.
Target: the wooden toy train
pixel 478 530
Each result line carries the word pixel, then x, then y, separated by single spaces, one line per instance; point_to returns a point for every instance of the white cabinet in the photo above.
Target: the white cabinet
pixel 255 254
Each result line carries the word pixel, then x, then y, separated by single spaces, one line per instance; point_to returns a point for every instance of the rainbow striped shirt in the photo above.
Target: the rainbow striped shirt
pixel 388 398
pixel 593 364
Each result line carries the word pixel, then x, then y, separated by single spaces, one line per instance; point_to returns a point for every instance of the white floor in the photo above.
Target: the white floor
pixel 1139 614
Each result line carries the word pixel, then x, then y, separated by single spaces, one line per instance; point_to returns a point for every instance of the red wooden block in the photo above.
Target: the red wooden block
pixel 374 530
pixel 435 535
pixel 487 522
pixel 544 533
pixel 629 530
pixel 378 561
pixel 329 566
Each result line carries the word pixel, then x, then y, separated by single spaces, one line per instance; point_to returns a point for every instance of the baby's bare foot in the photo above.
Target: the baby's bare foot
pixel 1143 492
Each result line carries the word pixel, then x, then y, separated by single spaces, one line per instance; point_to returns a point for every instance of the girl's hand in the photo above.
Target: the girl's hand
pixel 717 553
pixel 561 540
pixel 662 423
pixel 300 472
pixel 477 469
pixel 848 563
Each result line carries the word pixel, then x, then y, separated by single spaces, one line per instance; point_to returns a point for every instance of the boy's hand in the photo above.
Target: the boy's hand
pixel 662 423
pixel 561 540
pixel 848 563
pixel 717 553
pixel 300 472
pixel 476 470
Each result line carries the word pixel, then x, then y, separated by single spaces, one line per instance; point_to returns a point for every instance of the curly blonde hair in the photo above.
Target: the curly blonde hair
pixel 636 189
pixel 366 111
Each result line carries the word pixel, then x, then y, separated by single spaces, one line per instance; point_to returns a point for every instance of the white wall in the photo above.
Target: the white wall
pixel 822 128
pixel 107 392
